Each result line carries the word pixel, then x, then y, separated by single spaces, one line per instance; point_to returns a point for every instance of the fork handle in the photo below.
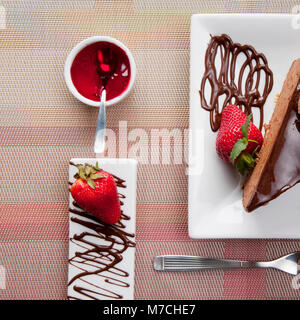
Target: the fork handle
pixel 190 263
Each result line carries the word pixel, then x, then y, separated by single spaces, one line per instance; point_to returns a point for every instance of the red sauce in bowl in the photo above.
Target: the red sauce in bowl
pixel 85 75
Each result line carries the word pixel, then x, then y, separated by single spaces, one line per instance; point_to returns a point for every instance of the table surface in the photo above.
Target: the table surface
pixel 43 126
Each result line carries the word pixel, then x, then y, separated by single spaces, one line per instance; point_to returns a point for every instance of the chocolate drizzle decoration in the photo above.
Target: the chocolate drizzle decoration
pixel 99 250
pixel 247 86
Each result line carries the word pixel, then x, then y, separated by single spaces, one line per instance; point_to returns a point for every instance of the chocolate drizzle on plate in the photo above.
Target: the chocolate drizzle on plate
pixel 99 249
pixel 234 74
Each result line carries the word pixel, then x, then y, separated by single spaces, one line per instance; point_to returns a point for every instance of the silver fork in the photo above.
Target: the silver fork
pixel 289 263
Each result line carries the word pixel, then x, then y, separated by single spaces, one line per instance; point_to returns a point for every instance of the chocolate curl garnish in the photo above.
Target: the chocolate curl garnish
pixel 247 87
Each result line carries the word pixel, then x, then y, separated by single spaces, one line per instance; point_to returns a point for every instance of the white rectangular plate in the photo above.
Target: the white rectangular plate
pixel 215 197
pixel 107 284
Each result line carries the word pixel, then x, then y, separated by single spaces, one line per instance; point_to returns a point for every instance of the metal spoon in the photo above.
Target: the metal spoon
pixel 99 144
pixel 106 66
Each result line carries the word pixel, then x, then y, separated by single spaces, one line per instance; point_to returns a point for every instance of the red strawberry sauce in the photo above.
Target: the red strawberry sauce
pixel 87 79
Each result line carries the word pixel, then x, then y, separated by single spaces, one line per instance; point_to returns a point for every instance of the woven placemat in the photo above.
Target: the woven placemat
pixel 43 126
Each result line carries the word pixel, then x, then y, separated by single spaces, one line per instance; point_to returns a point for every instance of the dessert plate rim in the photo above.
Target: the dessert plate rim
pixel 125 169
pixel 223 217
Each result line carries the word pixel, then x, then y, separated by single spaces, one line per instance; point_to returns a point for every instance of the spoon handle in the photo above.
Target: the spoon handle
pixel 99 144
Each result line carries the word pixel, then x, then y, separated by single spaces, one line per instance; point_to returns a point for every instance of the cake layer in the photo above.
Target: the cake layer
pixel 278 167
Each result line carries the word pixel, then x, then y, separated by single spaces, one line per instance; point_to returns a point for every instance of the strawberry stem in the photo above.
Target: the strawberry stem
pixel 250 140
pixel 248 159
pixel 240 158
pixel 242 143
pixel 245 162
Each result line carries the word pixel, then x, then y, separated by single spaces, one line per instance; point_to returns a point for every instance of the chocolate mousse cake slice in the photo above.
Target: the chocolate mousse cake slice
pixel 278 166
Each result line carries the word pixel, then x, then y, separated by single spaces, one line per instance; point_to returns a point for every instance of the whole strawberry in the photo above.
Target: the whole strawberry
pixel 238 139
pixel 95 191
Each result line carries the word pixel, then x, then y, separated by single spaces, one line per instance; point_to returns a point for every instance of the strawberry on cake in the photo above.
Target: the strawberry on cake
pixel 238 139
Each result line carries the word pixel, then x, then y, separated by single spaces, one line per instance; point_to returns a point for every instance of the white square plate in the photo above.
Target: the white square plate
pixel 108 284
pixel 215 196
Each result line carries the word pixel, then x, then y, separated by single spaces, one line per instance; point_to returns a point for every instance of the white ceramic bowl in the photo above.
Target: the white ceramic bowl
pixel 77 49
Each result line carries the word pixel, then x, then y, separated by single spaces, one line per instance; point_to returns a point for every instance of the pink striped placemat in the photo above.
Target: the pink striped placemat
pixel 43 126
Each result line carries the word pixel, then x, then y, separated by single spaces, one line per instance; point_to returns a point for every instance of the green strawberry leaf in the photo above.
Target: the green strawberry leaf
pixel 245 126
pixel 237 149
pixel 87 170
pixel 241 166
pixel 91 183
pixel 245 163
pixel 94 176
pixel 88 173
pixel 81 172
